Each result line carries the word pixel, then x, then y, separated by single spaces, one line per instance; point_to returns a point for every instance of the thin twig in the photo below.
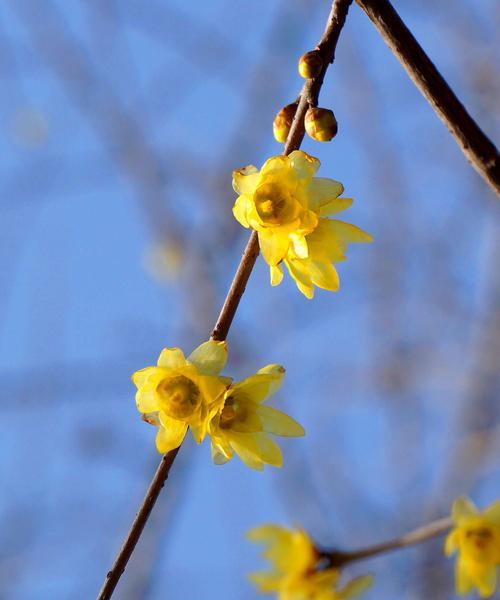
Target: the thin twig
pixel 310 89
pixel 337 558
pixel 477 147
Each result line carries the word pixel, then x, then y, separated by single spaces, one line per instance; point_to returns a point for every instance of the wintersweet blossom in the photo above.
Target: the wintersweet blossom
pixel 296 570
pixel 179 393
pixel 476 538
pixel 243 422
pixel 288 207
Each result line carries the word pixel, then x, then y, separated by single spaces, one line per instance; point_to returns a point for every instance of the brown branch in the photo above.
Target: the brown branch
pixel 477 147
pixel 310 89
pixel 337 558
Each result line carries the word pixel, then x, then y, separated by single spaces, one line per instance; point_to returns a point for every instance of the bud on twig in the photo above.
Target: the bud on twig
pixel 283 121
pixel 310 64
pixel 321 124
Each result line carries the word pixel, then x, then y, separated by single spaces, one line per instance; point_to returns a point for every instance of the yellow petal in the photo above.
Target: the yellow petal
pixel 274 164
pixel 146 401
pixel 303 164
pixel 220 455
pixel 140 377
pixel 266 582
pixel 212 388
pixel 276 273
pixel 268 450
pixel 349 234
pixel 488 583
pixel 323 190
pixel 492 513
pixel 273 246
pixel 245 180
pixel 246 448
pixel 240 210
pixel 261 385
pixel 209 358
pixel 299 274
pixel 170 437
pixel 171 358
pixel 463 582
pixel 451 543
pixel 335 206
pixel 277 422
pixel 299 245
pixel 324 275
pixel 463 508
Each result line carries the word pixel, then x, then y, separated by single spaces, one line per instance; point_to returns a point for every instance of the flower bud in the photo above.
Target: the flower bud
pixel 283 122
pixel 321 124
pixel 310 64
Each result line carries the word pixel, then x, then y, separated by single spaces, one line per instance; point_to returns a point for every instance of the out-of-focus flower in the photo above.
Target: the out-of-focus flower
pixel 243 422
pixel 179 393
pixel 310 64
pixel 296 571
pixel 164 261
pixel 476 538
pixel 321 124
pixel 287 205
pixel 283 122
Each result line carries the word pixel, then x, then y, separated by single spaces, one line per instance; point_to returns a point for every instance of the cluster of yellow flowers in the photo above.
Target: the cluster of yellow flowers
pixel 476 538
pixel 180 393
pixel 298 570
pixel 288 206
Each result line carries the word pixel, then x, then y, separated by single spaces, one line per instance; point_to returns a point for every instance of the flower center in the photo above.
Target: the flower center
pixel 479 543
pixel 233 411
pixel 274 204
pixel 178 397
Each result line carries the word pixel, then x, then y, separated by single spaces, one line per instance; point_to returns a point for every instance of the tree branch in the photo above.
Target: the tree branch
pixel 477 147
pixel 338 559
pixel 311 88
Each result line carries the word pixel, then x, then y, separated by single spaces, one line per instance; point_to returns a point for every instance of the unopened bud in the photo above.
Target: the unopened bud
pixel 283 122
pixel 321 124
pixel 310 64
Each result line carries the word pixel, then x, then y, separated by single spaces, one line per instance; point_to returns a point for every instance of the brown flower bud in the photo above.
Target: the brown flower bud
pixel 310 64
pixel 321 124
pixel 283 122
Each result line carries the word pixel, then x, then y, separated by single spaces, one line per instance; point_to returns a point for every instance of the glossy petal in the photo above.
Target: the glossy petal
pixel 140 377
pixel 349 234
pixel 240 210
pixel 335 206
pixel 170 436
pixel 146 401
pixel 324 275
pixel 277 422
pixel 268 450
pixel 260 386
pixel 209 358
pixel 324 190
pixel 299 245
pixel 273 246
pixel 274 164
pixel 171 358
pixel 303 164
pixel 245 180
pixel 276 273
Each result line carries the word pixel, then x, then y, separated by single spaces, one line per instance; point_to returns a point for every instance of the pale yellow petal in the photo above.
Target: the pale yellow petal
pixel 170 435
pixel 220 455
pixel 348 233
pixel 246 448
pixel 273 246
pixel 274 164
pixel 268 450
pixel 209 358
pixel 276 273
pixel 245 180
pixel 463 582
pixel 463 508
pixel 212 388
pixel 304 164
pixel 492 513
pixel 301 277
pixel 299 245
pixel 261 385
pixel 266 582
pixel 324 275
pixel 451 543
pixel 171 358
pixel 323 190
pixel 488 583
pixel 146 401
pixel 335 206
pixel 277 422
pixel 140 377
pixel 240 210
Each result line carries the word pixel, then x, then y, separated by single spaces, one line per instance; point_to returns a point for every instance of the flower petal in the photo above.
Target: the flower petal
pixel 273 246
pixel 335 206
pixel 140 377
pixel 279 423
pixel 323 190
pixel 298 271
pixel 451 543
pixel 273 164
pixel 324 275
pixel 492 513
pixel 245 180
pixel 246 448
pixel 299 245
pixel 268 450
pixel 349 234
pixel 463 508
pixel 209 358
pixel 488 582
pixel 170 435
pixel 266 582
pixel 356 587
pixel 303 164
pixel 171 358
pixel 146 401
pixel 276 273
pixel 240 210
pixel 260 386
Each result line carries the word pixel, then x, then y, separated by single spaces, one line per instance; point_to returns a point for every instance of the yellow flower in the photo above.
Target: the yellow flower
pixel 476 538
pixel 297 573
pixel 243 423
pixel 179 393
pixel 287 205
